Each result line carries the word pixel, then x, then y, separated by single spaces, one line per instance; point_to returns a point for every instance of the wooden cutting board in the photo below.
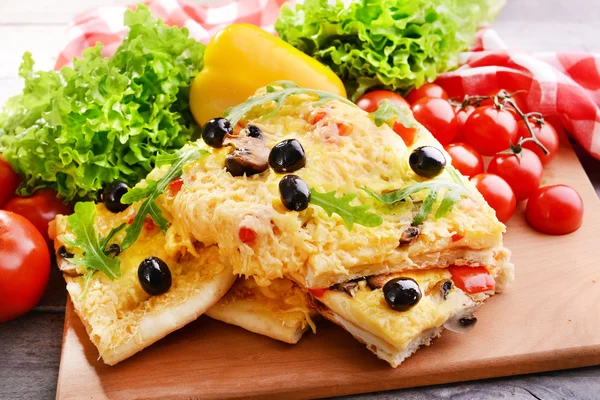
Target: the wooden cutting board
pixel 549 319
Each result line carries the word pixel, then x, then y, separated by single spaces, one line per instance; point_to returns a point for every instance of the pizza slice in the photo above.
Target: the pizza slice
pixel 281 311
pixel 122 318
pixel 395 314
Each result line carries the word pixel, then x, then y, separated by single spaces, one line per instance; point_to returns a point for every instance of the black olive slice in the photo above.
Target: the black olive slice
pixel 402 294
pixel 112 197
pixel 214 131
pixel 294 192
pixel 62 252
pixel 427 161
pixel 155 276
pixel 287 156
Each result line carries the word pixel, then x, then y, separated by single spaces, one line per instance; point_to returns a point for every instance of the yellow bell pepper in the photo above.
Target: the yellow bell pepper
pixel 242 58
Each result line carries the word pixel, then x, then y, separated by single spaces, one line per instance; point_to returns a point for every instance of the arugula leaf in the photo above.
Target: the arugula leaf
pixel 94 258
pixel 455 190
pixel 341 206
pixel 154 189
pixel 234 114
pixel 387 110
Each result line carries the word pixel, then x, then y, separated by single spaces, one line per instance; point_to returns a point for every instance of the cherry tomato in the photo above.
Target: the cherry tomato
pixel 465 159
pixel 370 101
pixel 497 193
pixel 9 182
pixel 40 208
pixel 524 175
pixel 438 116
pixel 555 210
pixel 427 90
pixel 461 117
pixel 472 279
pixel 490 130
pixel 247 235
pixel 24 266
pixel 545 134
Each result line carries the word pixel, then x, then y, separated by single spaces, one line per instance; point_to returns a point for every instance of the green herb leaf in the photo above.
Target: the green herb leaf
pixel 81 223
pixel 455 189
pixel 341 206
pixel 154 189
pixel 386 111
pixel 235 114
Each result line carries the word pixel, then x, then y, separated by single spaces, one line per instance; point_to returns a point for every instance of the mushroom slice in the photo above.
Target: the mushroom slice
pixel 250 155
pixel 378 281
pixel 461 322
pixel 348 287
pixel 409 236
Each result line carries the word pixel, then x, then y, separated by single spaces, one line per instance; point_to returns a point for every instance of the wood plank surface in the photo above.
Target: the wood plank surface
pixel 533 25
pixel 546 320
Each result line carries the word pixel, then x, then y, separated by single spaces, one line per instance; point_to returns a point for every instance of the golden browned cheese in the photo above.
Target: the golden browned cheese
pixel 214 205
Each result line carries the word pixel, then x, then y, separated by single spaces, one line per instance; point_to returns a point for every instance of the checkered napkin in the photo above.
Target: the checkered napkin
pixel 564 86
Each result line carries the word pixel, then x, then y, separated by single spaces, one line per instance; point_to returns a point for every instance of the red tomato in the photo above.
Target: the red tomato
pixel 461 117
pixel 555 210
pixel 490 130
pixel 472 279
pixel 438 116
pixel 523 175
pixel 24 266
pixel 465 159
pixel 497 193
pixel 370 101
pixel 407 134
pixel 40 208
pixel 545 134
pixel 247 235
pixel 427 90
pixel 9 182
pixel 317 292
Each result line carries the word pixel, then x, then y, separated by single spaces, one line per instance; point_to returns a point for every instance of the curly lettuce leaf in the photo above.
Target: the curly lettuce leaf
pixel 395 44
pixel 103 119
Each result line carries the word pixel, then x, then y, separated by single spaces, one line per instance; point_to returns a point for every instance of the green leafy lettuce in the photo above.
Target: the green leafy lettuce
pixel 396 44
pixel 104 119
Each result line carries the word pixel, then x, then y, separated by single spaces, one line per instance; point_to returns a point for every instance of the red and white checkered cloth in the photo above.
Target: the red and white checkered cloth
pixel 564 86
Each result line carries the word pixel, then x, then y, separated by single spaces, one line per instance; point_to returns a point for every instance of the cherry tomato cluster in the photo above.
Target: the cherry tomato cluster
pixel 24 240
pixel 495 125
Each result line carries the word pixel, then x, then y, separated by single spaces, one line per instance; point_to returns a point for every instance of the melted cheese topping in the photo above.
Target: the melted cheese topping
pixel 369 310
pixel 282 299
pixel 215 205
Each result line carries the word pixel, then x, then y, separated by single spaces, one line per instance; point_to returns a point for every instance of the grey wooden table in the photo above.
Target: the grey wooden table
pixel 30 346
